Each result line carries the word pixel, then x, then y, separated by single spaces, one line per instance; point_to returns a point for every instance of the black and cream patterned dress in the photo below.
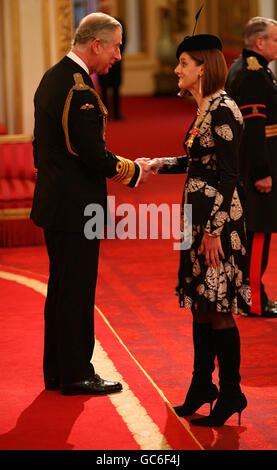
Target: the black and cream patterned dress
pixel 211 161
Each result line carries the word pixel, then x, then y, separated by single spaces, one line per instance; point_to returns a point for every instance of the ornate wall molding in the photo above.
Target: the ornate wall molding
pixel 17 65
pixel 233 15
pixel 3 81
pixel 64 26
pixel 46 33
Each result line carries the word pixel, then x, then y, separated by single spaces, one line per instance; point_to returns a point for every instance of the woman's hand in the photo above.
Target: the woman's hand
pixel 155 165
pixel 144 165
pixel 212 249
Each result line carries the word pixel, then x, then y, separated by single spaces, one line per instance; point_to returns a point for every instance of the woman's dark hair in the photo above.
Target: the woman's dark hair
pixel 215 69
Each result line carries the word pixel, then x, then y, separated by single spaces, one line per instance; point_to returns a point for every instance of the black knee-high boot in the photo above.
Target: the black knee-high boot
pixel 201 390
pixel 231 400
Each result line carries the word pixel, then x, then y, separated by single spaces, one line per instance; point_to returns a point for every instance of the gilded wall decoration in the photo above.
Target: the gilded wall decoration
pixel 46 33
pixel 17 65
pixel 179 15
pixel 64 26
pixel 232 16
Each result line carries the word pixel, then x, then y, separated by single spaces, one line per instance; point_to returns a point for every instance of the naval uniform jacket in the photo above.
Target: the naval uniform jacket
pixel 69 150
pixel 252 85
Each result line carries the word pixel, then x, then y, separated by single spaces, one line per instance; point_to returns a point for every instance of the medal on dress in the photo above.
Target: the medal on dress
pixel 193 133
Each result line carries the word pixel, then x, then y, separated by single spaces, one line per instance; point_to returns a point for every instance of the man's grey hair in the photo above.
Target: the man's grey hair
pixel 256 27
pixel 96 26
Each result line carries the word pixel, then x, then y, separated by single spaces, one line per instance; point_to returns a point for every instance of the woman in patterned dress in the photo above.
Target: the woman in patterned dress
pixel 213 279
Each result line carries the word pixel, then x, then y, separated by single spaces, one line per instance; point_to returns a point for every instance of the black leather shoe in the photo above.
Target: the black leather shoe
pixel 52 384
pixel 270 310
pixel 92 386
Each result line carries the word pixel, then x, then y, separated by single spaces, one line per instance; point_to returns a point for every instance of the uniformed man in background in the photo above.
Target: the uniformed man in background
pixel 111 81
pixel 252 85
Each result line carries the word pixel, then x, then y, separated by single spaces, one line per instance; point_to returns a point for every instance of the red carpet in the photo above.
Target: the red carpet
pixel 135 296
pixel 40 420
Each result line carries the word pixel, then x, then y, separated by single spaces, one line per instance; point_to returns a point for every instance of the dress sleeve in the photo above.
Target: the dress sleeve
pixel 226 131
pixel 174 165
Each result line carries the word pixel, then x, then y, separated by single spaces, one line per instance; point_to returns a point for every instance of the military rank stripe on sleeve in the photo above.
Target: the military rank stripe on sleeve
pixel 271 131
pixel 125 171
pixel 253 110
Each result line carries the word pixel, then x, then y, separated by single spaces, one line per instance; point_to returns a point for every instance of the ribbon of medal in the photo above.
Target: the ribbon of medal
pixel 193 133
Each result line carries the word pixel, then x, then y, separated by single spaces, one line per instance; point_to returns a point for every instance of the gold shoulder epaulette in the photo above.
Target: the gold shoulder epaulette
pixel 253 63
pixel 79 82
pixel 80 86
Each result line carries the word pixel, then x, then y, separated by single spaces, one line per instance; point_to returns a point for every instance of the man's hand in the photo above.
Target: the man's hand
pixel 264 185
pixel 145 169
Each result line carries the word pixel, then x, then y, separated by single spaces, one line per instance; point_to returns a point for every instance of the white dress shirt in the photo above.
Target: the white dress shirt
pixel 78 60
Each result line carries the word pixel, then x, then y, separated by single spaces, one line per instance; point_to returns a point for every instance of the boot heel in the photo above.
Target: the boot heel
pixel 223 410
pixel 243 406
pixel 239 416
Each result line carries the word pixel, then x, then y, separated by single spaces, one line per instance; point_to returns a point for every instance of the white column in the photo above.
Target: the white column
pixel 133 26
pixel 266 8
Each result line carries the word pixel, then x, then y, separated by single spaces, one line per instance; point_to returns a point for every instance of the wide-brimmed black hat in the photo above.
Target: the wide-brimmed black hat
pixel 199 42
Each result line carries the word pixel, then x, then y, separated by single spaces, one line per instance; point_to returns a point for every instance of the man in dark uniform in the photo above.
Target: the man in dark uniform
pixel 72 165
pixel 112 80
pixel 252 85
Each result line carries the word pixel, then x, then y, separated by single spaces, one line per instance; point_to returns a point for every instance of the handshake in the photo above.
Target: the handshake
pixel 147 165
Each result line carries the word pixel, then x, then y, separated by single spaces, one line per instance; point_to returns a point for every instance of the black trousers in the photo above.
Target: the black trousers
pixel 258 246
pixel 115 99
pixel 69 307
